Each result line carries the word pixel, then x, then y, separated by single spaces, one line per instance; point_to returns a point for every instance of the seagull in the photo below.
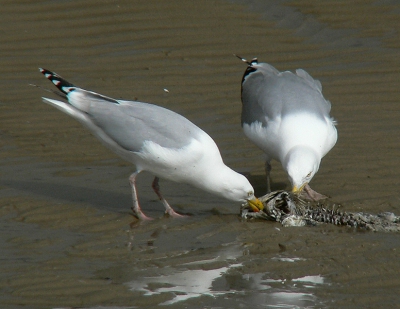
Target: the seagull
pixel 286 116
pixel 156 140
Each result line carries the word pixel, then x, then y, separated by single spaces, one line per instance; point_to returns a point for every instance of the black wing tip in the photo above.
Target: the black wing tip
pixel 250 68
pixel 62 84
pixel 66 87
pixel 48 74
pixel 250 63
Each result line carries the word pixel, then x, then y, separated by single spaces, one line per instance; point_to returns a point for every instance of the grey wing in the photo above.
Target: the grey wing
pixel 268 94
pixel 301 93
pixel 261 94
pixel 131 123
pixel 315 84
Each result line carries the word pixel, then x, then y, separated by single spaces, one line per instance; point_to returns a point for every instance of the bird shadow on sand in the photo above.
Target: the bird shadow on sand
pixel 64 192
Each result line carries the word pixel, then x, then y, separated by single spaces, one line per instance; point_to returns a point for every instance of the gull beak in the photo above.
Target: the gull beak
pixel 297 190
pixel 255 204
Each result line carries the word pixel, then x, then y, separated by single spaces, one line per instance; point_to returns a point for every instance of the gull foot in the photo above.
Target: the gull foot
pixel 170 212
pixel 140 215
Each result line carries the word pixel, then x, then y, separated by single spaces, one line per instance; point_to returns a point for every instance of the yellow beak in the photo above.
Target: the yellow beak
pixel 255 204
pixel 298 190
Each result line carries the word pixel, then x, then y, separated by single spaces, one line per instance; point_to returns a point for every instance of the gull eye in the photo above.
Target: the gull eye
pixel 250 193
pixel 308 175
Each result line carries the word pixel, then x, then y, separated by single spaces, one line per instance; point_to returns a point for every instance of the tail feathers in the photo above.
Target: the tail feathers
pixel 63 85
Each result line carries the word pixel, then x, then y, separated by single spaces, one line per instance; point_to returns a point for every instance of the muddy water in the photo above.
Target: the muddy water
pixel 67 237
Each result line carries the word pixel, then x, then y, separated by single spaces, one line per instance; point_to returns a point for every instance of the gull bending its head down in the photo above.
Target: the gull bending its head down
pixel 286 115
pixel 156 140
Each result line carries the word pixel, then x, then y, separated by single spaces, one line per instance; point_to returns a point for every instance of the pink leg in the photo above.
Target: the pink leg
pixel 137 211
pixel 168 208
pixel 314 195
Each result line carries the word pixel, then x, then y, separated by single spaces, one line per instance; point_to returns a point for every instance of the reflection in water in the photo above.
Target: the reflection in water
pixel 186 284
pixel 256 289
pixel 286 259
pixel 290 298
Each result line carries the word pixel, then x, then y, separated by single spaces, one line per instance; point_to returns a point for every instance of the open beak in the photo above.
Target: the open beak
pixel 255 204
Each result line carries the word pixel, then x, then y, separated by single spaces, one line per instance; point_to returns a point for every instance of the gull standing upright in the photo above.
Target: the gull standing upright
pixel 286 115
pixel 156 140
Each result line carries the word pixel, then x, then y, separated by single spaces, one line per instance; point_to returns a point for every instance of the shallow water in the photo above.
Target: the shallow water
pixel 67 236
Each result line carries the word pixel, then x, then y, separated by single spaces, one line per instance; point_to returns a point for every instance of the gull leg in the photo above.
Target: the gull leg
pixel 267 172
pixel 137 211
pixel 314 195
pixel 168 208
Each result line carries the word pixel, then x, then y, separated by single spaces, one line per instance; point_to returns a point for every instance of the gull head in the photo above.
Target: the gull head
pixel 301 164
pixel 236 187
pixel 245 194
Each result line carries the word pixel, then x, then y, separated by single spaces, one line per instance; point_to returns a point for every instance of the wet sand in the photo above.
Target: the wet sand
pixel 67 236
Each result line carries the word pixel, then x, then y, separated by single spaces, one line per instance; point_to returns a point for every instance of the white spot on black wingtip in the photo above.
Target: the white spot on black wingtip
pixel 63 85
pixel 68 89
pixel 250 69
pixel 250 63
pixel 254 61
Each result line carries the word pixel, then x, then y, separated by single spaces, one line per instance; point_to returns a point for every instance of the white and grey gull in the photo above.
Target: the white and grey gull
pixel 156 140
pixel 286 115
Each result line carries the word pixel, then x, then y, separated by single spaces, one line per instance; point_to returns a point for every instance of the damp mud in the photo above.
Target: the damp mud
pixel 68 238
